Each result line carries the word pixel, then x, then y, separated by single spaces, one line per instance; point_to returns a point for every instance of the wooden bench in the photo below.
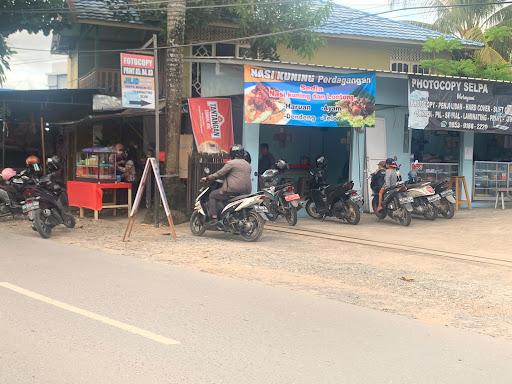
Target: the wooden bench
pixel 501 192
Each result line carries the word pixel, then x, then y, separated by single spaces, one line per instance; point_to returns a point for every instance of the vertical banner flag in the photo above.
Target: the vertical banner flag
pixel 212 124
pixel 137 81
pixel 288 97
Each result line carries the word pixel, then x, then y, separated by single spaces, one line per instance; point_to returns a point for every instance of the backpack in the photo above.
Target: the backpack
pixel 377 181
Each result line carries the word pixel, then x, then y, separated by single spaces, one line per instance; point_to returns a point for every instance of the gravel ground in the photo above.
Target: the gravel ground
pixel 461 294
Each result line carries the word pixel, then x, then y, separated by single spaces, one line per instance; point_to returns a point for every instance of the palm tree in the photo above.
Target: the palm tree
pixel 480 20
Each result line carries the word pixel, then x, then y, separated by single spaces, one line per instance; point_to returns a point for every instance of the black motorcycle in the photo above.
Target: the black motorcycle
pixel 446 206
pixel 281 199
pixel 16 191
pixel 339 201
pixel 396 204
pixel 47 206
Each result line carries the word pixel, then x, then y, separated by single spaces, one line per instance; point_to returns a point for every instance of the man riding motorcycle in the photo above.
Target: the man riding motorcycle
pixel 7 190
pixel 237 179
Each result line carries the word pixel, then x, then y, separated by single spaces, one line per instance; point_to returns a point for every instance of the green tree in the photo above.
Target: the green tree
pixel 29 15
pixel 181 20
pixel 485 21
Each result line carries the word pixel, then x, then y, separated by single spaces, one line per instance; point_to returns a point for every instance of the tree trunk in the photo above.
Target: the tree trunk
pixel 174 80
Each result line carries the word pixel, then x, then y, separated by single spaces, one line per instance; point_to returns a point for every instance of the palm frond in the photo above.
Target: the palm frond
pixel 489 55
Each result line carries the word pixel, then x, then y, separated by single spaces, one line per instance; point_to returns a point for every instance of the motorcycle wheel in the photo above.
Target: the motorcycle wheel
pixel 291 215
pixel 447 210
pixel 353 214
pixel 4 210
pixel 311 210
pixel 44 230
pixel 272 214
pixel 256 223
pixel 430 212
pixel 69 221
pixel 405 217
pixel 197 224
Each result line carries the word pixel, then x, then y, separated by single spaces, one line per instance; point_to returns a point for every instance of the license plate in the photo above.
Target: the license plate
pixel 433 198
pixel 260 208
pixel 292 197
pixel 406 200
pixel 31 206
pixel 448 192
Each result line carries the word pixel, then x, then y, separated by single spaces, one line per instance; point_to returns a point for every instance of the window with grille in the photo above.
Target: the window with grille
pixel 408 67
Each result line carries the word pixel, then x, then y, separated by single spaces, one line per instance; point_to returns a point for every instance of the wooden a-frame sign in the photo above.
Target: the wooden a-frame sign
pixel 151 164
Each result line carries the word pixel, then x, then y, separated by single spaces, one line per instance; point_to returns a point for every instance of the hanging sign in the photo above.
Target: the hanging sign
pixel 454 104
pixel 137 81
pixel 286 97
pixel 212 124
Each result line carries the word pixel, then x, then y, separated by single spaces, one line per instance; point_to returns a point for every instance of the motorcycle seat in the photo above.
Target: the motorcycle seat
pixel 239 197
pixel 417 185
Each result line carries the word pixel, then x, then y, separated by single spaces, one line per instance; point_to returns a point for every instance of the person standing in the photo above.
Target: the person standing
pixel 266 160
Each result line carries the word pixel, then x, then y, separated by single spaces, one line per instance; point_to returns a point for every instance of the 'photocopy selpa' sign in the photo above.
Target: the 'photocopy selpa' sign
pixel 456 104
pixel 138 81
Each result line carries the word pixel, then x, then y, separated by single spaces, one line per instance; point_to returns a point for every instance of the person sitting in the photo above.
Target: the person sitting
pixel 390 180
pixel 237 180
pixel 378 177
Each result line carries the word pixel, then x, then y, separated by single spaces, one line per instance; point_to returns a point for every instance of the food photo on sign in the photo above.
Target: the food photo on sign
pixel 279 97
pixel 212 124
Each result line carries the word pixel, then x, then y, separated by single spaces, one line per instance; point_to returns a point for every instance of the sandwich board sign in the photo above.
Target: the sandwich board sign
pixel 137 81
pixel 151 166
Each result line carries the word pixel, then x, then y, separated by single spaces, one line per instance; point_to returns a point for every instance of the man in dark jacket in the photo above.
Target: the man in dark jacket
pixel 237 180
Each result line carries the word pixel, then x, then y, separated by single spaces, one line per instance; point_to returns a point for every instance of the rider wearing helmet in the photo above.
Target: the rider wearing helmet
pixel 390 179
pixel 236 174
pixel 281 165
pixel 7 191
pixel 319 173
pixel 33 166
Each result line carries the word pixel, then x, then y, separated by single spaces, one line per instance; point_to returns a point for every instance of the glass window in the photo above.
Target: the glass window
pixel 225 50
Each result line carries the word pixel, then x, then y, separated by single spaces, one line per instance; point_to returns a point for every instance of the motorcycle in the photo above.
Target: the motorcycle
pixel 281 200
pixel 339 201
pixel 242 215
pixel 47 206
pixel 20 187
pixel 396 203
pixel 446 205
pixel 425 200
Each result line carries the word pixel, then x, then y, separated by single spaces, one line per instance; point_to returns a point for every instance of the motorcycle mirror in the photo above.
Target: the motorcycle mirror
pixel 207 171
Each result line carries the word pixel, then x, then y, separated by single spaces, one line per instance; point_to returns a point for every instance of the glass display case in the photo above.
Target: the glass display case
pixel 488 177
pixel 97 166
pixel 437 171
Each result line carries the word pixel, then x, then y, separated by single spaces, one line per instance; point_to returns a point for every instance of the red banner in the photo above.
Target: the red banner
pixel 212 124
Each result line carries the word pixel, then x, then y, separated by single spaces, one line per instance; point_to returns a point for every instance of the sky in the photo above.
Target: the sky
pixel 29 69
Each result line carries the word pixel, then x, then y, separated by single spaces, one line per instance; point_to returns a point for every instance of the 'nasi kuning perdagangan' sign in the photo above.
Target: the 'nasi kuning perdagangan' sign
pixel 287 97
pixel 457 104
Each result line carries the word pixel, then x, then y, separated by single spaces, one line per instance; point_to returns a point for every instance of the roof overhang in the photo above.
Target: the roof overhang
pixel 387 40
pixel 320 67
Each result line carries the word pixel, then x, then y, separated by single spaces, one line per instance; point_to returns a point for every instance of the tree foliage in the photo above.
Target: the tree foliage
pixel 443 62
pixel 486 21
pixel 28 15
pixel 264 18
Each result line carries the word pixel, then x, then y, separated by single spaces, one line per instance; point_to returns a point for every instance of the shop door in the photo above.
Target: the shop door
pixel 376 150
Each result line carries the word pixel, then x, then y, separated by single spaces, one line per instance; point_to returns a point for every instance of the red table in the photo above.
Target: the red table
pixel 90 195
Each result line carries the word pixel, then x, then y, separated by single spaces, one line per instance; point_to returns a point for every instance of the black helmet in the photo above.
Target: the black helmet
pixel 321 161
pixel 237 152
pixel 391 163
pixel 247 157
pixel 54 163
pixel 281 165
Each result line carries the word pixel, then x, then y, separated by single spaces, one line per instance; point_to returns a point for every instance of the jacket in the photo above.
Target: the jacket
pixel 237 176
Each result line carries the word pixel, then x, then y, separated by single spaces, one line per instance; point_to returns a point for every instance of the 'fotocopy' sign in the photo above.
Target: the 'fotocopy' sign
pixel 460 104
pixel 137 81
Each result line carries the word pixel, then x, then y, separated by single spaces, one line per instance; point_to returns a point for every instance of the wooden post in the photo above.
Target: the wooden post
pixel 43 149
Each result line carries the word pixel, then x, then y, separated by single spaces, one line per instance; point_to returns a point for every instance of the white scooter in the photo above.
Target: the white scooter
pixel 243 215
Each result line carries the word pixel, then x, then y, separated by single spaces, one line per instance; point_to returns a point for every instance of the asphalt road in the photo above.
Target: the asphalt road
pixel 69 315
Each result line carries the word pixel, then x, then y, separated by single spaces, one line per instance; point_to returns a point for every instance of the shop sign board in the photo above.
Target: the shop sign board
pixel 137 81
pixel 212 124
pixel 455 104
pixel 288 97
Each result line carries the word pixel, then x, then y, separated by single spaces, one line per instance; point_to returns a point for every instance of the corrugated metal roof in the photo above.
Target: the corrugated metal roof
pixel 353 22
pixel 114 11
